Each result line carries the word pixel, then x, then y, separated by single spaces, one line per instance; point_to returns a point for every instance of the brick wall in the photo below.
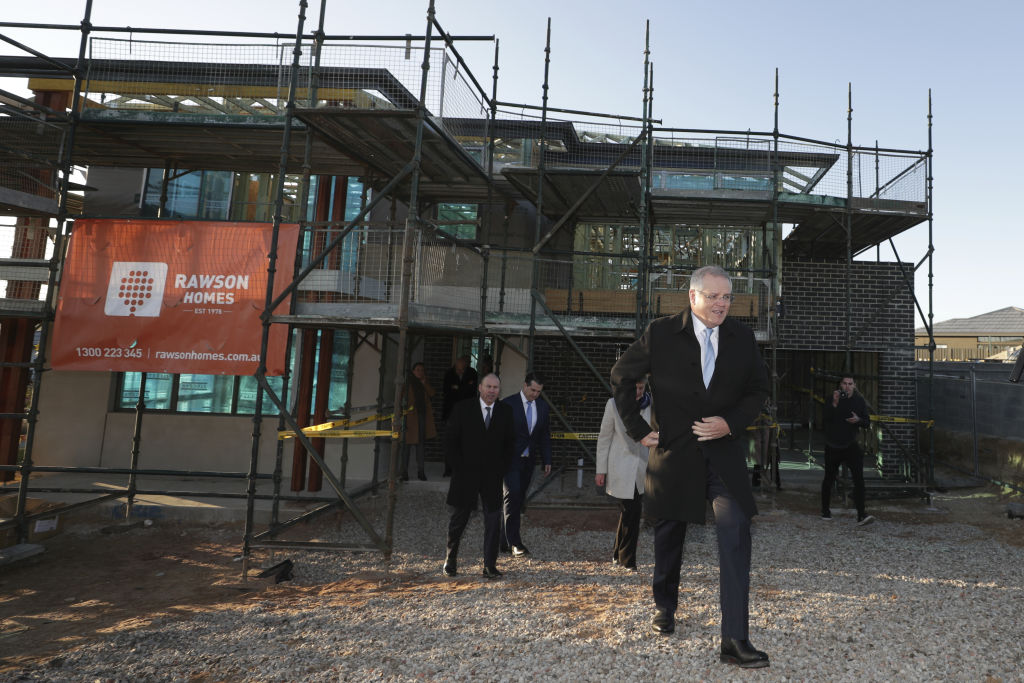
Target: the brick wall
pixel 881 322
pixel 573 389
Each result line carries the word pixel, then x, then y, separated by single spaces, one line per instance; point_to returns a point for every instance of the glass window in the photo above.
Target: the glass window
pixel 159 386
pixel 458 220
pixel 220 195
pixel 247 386
pixel 215 195
pixel 205 393
pixel 689 181
pixel 339 372
pixel 194 194
pixel 227 394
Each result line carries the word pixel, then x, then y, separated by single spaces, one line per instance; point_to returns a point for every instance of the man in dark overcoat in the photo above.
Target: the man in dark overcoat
pixel 708 382
pixel 479 441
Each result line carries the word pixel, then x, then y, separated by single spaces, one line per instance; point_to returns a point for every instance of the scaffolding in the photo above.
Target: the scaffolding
pixel 409 117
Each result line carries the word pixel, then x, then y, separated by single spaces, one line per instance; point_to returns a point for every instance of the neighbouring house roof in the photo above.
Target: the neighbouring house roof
pixel 1005 322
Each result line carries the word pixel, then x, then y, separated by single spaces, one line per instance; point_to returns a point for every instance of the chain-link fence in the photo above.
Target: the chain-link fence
pixel 214 79
pixel 806 171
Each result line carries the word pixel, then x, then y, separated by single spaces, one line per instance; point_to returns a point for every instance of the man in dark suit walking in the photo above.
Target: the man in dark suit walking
pixel 478 447
pixel 532 421
pixel 709 382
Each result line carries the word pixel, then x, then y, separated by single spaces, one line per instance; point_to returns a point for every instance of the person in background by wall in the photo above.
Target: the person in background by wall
pixel 419 422
pixel 844 415
pixel 486 366
pixel 621 469
pixel 460 383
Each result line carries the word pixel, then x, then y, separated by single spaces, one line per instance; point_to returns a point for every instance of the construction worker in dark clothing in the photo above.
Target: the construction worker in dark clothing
pixel 844 415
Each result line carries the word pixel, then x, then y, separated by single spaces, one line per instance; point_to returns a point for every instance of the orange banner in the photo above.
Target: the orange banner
pixel 170 296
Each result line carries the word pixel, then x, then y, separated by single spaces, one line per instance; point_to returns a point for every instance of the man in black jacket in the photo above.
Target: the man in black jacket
pixel 709 383
pixel 479 441
pixel 844 415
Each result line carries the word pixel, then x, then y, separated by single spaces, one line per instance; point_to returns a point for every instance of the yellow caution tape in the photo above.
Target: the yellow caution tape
pixel 344 434
pixel 575 436
pixel 875 418
pixel 319 431
pixel 890 418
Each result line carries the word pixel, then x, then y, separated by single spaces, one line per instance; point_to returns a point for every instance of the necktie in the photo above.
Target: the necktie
pixel 487 418
pixel 709 358
pixel 529 416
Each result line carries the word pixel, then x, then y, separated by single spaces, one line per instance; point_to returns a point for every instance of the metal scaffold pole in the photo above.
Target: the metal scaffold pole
pixel 643 265
pixel 929 185
pixel 775 286
pixel 848 332
pixel 261 370
pixel 412 222
pixel 65 169
pixel 542 149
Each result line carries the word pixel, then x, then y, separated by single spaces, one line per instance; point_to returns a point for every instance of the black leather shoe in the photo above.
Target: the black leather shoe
pixel 450 567
pixel 743 654
pixel 663 622
pixel 520 550
pixel 421 476
pixel 492 573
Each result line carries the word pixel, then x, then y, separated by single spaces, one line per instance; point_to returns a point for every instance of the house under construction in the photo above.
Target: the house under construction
pixel 434 221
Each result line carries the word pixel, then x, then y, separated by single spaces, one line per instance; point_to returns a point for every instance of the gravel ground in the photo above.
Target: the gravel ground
pixel 933 601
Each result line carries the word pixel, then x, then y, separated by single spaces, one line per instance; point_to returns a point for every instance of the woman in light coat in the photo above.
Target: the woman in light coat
pixel 622 469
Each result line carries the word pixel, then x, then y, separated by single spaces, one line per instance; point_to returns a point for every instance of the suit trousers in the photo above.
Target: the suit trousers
pixel 733 528
pixel 628 532
pixel 517 483
pixel 853 458
pixel 492 529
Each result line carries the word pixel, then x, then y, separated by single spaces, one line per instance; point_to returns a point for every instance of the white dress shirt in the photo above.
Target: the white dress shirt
pixel 484 407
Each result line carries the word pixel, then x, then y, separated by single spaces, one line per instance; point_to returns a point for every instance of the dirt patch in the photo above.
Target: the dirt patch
pixel 87 584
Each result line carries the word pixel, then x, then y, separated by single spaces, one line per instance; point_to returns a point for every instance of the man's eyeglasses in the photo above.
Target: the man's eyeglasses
pixel 727 298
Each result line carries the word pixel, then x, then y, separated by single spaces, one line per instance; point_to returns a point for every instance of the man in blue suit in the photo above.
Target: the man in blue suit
pixel 532 424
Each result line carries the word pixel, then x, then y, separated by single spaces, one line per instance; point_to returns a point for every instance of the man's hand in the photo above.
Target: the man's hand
pixel 599 479
pixel 650 440
pixel 835 398
pixel 854 418
pixel 710 428
pixel 547 470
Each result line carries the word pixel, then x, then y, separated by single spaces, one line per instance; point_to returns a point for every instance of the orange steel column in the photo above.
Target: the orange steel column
pixel 303 404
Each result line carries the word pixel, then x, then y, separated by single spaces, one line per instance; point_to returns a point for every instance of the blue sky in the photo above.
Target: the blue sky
pixel 715 67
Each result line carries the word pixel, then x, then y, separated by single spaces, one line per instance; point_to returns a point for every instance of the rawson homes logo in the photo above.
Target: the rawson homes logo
pixel 136 288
